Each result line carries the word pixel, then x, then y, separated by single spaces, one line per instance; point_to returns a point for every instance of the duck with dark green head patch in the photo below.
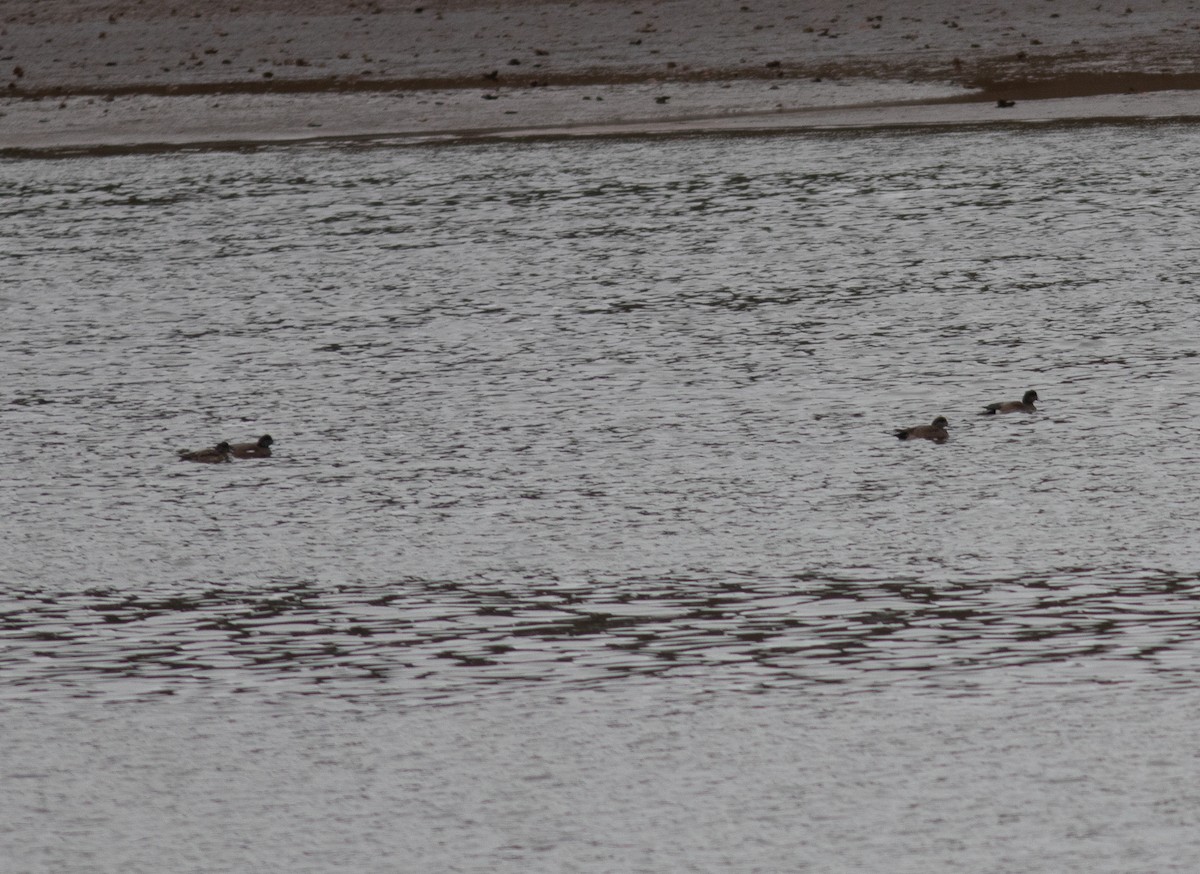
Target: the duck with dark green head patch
pixel 259 449
pixel 1024 405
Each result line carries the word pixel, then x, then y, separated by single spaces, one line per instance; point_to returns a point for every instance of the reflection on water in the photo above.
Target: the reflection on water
pixel 577 412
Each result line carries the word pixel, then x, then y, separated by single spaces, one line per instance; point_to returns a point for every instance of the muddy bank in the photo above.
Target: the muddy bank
pixel 154 71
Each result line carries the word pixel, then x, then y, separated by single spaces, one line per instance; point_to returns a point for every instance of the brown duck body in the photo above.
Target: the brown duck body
pixel 935 431
pixel 1024 405
pixel 259 449
pixel 214 455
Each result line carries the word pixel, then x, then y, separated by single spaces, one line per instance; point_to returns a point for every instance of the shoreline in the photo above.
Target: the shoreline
pixel 146 123
pixel 1033 85
pixel 95 75
pixel 849 120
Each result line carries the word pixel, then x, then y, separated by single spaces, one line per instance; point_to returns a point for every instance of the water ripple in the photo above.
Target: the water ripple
pixel 585 412
pixel 444 637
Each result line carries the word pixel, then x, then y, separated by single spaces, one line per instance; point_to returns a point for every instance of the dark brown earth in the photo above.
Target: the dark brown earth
pixel 440 64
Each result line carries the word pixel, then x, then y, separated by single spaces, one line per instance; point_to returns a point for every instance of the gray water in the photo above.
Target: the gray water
pixel 586 544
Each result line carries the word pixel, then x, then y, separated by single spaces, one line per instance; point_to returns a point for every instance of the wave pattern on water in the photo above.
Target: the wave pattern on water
pixel 443 639
pixel 581 412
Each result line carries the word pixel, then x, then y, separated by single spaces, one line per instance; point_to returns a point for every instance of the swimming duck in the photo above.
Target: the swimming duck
pixel 1024 405
pixel 214 455
pixel 935 431
pixel 261 449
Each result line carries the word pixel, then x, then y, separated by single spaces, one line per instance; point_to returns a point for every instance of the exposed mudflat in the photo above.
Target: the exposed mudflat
pixel 128 75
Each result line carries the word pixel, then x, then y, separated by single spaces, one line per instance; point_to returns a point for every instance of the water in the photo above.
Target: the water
pixel 586 545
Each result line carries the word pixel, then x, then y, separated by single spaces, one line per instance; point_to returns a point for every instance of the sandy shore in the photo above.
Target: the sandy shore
pixel 83 73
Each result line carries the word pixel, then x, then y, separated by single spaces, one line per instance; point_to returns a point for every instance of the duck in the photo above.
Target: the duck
pixel 213 455
pixel 1024 405
pixel 259 449
pixel 936 431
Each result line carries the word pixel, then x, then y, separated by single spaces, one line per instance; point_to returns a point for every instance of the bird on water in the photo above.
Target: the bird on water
pixel 213 455
pixel 259 449
pixel 1024 405
pixel 936 431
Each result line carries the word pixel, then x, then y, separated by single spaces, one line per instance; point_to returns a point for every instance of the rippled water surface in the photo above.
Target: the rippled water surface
pixel 586 544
